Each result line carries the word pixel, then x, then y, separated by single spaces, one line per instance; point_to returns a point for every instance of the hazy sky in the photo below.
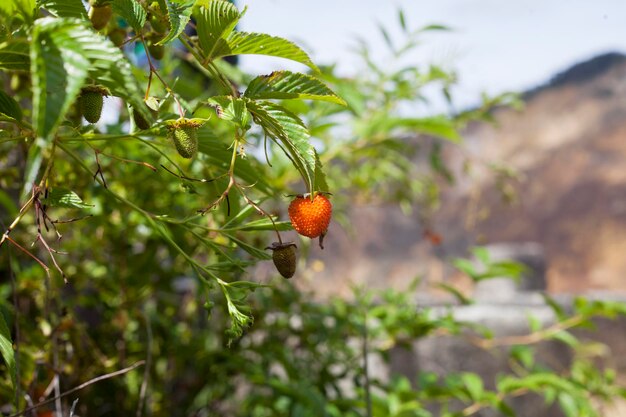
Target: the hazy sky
pixel 496 45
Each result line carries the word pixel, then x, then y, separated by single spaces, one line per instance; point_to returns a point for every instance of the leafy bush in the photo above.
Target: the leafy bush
pixel 165 209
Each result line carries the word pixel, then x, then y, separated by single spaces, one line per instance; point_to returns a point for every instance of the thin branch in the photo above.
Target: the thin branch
pixel 16 325
pixel 146 374
pixel 476 407
pixel 15 222
pixel 528 339
pixel 99 170
pixel 81 386
pixel 183 177
pixel 261 212
pixel 365 349
pixel 26 251
pixel 154 71
pixel 128 161
pixel 72 220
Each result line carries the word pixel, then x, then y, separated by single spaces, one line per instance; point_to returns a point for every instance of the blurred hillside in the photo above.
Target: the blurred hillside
pixel 568 150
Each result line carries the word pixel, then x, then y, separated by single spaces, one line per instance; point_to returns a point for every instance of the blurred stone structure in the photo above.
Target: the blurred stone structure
pixel 504 306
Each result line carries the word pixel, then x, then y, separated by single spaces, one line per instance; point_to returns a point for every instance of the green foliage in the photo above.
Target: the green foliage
pixel 487 268
pixel 132 12
pixel 178 15
pixel 64 8
pixel 6 349
pixel 289 85
pixel 161 253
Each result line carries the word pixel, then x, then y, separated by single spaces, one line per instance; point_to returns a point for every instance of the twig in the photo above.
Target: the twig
pixel 72 220
pixel 154 71
pixel 528 339
pixel 365 349
pixel 26 251
pixel 16 324
pixel 261 212
pixel 146 373
pixel 81 386
pixel 73 407
pixel 99 170
pixel 128 161
pixel 476 407
pixel 183 177
pixel 23 211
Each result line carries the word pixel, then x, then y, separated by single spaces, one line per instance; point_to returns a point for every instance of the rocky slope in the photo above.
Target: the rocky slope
pixel 568 147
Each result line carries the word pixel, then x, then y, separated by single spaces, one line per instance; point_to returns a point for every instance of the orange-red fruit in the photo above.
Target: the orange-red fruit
pixel 309 217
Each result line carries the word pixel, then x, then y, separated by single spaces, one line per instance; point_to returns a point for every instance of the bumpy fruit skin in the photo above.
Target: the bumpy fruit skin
pixel 100 16
pixel 184 134
pixel 309 217
pixel 91 102
pixel 186 141
pixel 284 257
pixel 140 121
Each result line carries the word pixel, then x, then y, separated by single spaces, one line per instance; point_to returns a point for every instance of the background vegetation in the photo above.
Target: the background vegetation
pixel 140 289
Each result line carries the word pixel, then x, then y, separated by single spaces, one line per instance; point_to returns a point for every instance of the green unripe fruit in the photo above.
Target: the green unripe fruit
pixel 91 101
pixel 157 51
pixel 186 141
pixel 158 24
pixel 100 16
pixel 91 106
pixel 140 121
pixel 117 36
pixel 152 104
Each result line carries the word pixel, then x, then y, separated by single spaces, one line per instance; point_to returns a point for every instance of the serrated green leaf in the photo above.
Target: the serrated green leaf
pixel 6 349
pixel 59 68
pixel 320 183
pixel 9 107
pixel 62 197
pixel 131 11
pixel 64 52
pixel 178 15
pixel 232 109
pixel 244 43
pixel 215 20
pixel 64 8
pixel 25 8
pixel 111 68
pixel 290 133
pixel 14 55
pixel 218 155
pixel 290 85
